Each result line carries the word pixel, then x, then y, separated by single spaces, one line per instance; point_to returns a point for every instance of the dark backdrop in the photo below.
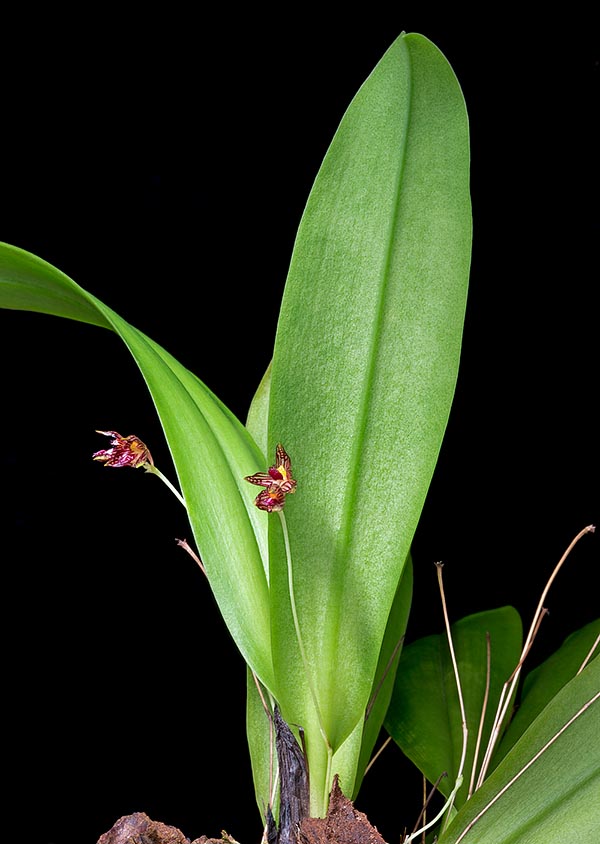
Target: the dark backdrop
pixel 164 166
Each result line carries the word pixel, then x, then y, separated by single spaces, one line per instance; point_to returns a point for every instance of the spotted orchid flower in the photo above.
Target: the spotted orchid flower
pixel 125 451
pixel 278 482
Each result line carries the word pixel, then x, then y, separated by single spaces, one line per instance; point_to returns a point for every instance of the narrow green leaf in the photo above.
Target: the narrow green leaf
pixel 364 371
pixel 424 716
pixel 28 283
pixel 552 797
pixel 211 449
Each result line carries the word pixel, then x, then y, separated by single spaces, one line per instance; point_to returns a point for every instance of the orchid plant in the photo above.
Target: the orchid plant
pixel 312 574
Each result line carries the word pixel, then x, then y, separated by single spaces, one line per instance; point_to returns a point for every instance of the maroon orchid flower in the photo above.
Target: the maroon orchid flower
pixel 271 499
pixel 125 451
pixel 278 482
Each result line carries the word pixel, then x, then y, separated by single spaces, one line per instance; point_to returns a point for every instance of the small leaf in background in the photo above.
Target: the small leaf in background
pixel 424 716
pixel 547 788
pixel 545 681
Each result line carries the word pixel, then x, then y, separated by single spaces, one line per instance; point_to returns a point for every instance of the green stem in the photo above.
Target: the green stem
pixel 154 471
pixel 447 805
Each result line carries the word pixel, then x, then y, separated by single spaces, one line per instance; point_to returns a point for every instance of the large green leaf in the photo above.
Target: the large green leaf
pixel 364 370
pixel 211 449
pixel 552 796
pixel 424 715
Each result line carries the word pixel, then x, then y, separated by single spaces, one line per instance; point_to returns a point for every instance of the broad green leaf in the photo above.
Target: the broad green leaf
pixel 553 793
pixel 424 716
pixel 544 682
pixel 211 449
pixel 363 375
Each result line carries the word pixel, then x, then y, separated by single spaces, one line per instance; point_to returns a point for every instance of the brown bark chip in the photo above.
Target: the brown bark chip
pixel 343 824
pixel 140 829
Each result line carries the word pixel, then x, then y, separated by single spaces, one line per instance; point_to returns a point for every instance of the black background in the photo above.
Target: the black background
pixel 164 164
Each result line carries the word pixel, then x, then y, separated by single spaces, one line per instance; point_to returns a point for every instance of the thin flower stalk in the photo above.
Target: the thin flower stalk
pixel 388 667
pixel 278 482
pixel 461 702
pixel 183 543
pixel 511 684
pixel 273 776
pixel 446 808
pixel 589 654
pixel 422 818
pixel 154 471
pixel 447 805
pixel 288 554
pixel 376 756
pixel 525 767
pixel 488 676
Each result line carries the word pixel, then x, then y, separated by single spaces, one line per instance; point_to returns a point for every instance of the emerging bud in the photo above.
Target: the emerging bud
pixel 125 451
